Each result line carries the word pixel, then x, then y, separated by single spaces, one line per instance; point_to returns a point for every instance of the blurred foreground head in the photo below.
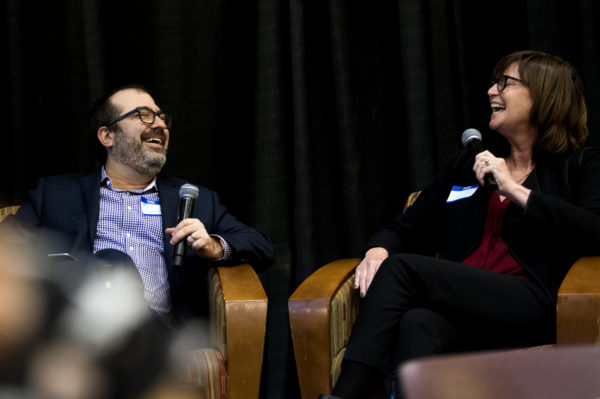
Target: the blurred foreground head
pixel 22 310
pixel 97 340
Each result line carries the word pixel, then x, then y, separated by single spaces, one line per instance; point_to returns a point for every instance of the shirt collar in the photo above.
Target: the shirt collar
pixel 106 182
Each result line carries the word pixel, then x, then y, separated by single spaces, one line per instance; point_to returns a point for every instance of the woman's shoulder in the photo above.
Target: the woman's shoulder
pixel 589 152
pixel 584 156
pixel 588 158
pixel 583 160
pixel 577 158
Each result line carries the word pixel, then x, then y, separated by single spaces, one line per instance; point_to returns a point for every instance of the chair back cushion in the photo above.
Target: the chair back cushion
pixel 205 368
pixel 344 309
pixel 218 336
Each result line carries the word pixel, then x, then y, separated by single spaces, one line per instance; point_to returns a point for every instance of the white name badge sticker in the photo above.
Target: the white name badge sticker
pixel 149 207
pixel 458 192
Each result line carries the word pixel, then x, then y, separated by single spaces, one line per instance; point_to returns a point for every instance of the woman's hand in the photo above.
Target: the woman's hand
pixel 367 268
pixel 486 162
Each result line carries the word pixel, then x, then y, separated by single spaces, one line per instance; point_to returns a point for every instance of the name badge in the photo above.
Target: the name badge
pixel 457 193
pixel 149 207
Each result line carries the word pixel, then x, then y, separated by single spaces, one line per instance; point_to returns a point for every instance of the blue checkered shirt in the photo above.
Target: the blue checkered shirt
pixel 123 226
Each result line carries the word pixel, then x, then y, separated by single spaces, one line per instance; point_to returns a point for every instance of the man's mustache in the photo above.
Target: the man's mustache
pixel 154 133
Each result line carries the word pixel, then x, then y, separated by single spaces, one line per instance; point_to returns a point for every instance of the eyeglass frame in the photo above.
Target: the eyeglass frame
pixel 165 117
pixel 505 78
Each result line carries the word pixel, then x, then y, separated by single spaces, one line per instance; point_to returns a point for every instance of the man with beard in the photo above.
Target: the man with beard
pixel 125 212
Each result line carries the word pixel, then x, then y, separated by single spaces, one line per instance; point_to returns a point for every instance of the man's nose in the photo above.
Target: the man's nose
pixel 158 123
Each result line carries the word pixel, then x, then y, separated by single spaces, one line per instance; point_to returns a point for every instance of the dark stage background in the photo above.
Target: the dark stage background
pixel 312 119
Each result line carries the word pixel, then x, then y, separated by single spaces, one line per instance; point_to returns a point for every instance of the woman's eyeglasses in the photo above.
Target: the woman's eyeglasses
pixel 504 81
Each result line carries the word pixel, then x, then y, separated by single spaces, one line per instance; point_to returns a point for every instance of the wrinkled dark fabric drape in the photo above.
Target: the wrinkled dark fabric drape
pixel 312 119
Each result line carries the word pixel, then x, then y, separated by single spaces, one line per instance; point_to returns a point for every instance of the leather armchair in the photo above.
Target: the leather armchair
pixel 323 309
pixel 231 368
pixel 8 210
pixel 557 373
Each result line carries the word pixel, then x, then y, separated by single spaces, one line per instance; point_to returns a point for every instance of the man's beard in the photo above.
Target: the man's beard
pixel 128 151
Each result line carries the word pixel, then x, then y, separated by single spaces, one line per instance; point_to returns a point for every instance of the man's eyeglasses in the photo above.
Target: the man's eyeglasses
pixel 504 80
pixel 146 115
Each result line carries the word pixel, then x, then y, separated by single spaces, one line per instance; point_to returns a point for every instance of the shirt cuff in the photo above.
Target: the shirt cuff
pixel 227 250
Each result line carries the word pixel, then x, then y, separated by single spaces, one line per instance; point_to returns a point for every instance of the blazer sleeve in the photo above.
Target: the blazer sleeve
pixel 24 225
pixel 575 221
pixel 418 229
pixel 248 244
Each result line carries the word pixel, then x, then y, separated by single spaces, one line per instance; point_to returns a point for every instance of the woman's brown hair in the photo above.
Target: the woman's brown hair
pixel 559 111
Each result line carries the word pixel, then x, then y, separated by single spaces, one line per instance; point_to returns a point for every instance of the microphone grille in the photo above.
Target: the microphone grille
pixel 189 191
pixel 470 134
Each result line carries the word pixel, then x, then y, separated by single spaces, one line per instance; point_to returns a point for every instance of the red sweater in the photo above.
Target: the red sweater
pixel 492 253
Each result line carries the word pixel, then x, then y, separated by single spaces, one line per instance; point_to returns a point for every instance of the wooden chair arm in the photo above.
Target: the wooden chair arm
pixel 245 326
pixel 310 317
pixel 578 304
pixel 8 210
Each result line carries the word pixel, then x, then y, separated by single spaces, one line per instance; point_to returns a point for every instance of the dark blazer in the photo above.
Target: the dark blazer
pixel 63 212
pixel 559 224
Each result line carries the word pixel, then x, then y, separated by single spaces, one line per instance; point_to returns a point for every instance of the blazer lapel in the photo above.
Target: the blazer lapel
pixel 169 203
pixel 90 191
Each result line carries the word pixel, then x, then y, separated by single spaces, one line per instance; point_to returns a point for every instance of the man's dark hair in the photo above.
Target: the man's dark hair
pixel 104 111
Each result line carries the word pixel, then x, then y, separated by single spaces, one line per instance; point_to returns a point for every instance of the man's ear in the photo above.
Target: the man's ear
pixel 105 136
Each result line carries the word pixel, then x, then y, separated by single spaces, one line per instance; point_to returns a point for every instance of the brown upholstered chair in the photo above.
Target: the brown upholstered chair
pixel 8 210
pixel 231 368
pixel 323 309
pixel 556 373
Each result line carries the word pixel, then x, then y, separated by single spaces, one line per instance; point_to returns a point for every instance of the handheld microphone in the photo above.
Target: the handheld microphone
pixel 471 138
pixel 188 194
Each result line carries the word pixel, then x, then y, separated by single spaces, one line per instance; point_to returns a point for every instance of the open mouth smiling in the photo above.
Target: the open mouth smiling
pixel 154 140
pixel 497 107
pixel 154 137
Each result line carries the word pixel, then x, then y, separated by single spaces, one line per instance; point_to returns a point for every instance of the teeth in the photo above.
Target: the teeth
pixel 496 106
pixel 154 140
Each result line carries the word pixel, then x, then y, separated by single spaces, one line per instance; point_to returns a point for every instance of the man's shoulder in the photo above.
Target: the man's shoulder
pixel 67 180
pixel 66 177
pixel 175 183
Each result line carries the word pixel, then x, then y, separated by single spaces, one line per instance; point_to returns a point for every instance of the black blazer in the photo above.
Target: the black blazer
pixel 559 224
pixel 63 211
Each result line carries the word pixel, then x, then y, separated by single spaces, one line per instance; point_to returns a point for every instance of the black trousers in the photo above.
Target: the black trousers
pixel 418 306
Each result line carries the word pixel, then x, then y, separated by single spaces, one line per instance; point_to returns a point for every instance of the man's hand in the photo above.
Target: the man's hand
pixel 198 239
pixel 367 268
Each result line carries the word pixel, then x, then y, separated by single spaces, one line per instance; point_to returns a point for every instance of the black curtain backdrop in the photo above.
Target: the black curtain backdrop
pixel 312 119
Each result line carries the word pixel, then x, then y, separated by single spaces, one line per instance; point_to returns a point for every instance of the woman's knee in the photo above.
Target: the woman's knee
pixel 403 269
pixel 423 332
pixel 407 262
